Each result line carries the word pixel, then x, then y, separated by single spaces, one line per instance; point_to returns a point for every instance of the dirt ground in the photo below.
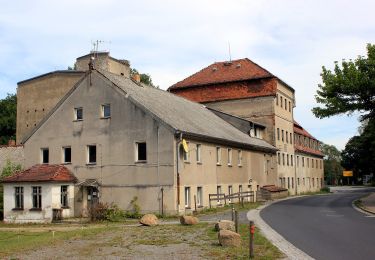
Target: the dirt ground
pixel 132 242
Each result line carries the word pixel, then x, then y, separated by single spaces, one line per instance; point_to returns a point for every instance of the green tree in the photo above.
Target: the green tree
pixel 8 170
pixel 8 115
pixel 349 88
pixel 359 152
pixel 332 164
pixel 145 78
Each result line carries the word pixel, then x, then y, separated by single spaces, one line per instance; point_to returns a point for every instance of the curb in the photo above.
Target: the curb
pixel 363 208
pixel 275 238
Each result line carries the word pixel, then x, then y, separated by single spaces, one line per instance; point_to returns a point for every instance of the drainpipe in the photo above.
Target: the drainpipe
pixel 177 169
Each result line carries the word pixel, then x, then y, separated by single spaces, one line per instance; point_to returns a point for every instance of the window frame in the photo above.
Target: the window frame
pixel 18 198
pixel 230 158
pixel 64 149
pixel 103 111
pixel 64 198
pixel 198 153
pixel 36 197
pixel 42 155
pixel 187 193
pixel 88 154
pixel 76 113
pixel 200 196
pixel 239 158
pixel 137 152
pixel 218 155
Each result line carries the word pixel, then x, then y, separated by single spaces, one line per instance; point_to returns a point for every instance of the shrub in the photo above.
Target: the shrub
pixel 325 189
pixel 104 211
pixel 135 211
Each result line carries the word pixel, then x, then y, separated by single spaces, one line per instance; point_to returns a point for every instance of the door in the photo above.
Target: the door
pixel 92 197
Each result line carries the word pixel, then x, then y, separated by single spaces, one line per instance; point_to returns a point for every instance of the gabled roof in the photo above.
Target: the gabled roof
pixel 183 115
pixel 301 148
pixel 224 72
pixel 42 173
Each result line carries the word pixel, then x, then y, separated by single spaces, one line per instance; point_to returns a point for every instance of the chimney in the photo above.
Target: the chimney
pixel 136 77
pixel 12 142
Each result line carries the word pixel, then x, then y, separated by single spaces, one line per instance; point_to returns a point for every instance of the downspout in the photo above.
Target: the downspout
pixel 157 159
pixel 177 170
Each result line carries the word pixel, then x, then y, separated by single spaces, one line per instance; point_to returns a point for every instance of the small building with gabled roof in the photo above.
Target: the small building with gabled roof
pixel 40 193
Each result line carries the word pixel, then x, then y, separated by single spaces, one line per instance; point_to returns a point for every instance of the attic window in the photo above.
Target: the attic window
pixel 78 114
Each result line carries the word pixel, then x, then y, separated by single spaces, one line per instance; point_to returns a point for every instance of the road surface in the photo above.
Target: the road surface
pixel 326 226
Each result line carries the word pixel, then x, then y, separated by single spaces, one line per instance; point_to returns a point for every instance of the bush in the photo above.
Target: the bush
pixel 105 211
pixel 135 211
pixel 325 189
pixel 114 213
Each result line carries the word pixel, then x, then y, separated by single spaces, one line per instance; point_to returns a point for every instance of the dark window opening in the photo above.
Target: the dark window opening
pixel 18 195
pixel 141 152
pixel 67 155
pixel 91 154
pixel 78 113
pixel 37 197
pixel 45 155
pixel 64 196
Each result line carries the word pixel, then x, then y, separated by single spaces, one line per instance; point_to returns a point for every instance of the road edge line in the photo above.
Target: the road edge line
pixel 291 251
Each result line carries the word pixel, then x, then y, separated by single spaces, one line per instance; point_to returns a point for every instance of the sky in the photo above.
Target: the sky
pixel 171 40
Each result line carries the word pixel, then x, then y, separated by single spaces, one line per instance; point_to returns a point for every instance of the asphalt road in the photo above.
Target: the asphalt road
pixel 325 227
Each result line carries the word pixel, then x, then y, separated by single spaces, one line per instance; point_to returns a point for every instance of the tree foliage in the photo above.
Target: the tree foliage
pixel 359 152
pixel 332 164
pixel 145 78
pixel 8 115
pixel 349 88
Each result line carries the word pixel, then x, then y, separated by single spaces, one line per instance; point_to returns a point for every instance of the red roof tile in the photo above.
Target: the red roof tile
pixel 221 72
pixel 43 173
pixel 298 129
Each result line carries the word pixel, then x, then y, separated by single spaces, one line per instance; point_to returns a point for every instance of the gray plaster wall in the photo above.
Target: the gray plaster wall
pixel 121 177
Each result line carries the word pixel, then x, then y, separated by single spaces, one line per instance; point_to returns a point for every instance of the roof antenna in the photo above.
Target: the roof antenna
pixel 230 55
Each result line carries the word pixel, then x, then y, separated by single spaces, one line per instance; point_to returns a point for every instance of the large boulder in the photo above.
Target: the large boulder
pixel 149 220
pixel 188 220
pixel 225 225
pixel 229 238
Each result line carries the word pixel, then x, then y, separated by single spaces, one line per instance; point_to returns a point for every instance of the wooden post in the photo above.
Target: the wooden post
pixel 233 212
pixel 236 220
pixel 162 201
pixel 251 239
pixel 195 203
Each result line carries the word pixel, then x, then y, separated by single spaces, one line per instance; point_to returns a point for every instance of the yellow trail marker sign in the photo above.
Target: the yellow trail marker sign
pixel 347 173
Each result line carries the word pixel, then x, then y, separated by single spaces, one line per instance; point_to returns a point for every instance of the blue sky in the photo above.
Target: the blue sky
pixel 173 39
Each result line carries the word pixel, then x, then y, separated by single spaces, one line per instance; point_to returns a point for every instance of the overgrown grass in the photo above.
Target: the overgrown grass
pixel 15 241
pixel 237 206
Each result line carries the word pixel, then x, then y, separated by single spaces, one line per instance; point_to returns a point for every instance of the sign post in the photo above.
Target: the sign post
pixel 347 174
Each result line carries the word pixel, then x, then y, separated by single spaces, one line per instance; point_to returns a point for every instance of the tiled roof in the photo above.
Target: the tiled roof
pixel 42 173
pixel 221 72
pixel 298 129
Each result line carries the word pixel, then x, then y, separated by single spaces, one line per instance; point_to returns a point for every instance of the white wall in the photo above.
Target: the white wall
pixel 50 200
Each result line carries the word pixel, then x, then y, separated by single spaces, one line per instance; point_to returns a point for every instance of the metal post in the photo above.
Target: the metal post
pixel 236 220
pixel 232 212
pixel 251 239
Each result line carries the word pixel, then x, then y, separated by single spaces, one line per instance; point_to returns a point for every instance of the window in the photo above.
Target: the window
pixel 283 159
pixel 187 197
pixel 291 160
pixel 18 197
pixel 282 135
pixel 229 156
pixel 291 141
pixel 281 101
pixel 37 197
pixel 106 111
pixel 45 155
pixel 218 191
pixel 187 154
pixel 199 196
pixel 308 162
pixel 288 183
pixel 239 157
pixel 198 153
pixel 278 133
pixel 141 152
pixel 312 163
pixel 230 192
pixel 287 159
pixel 286 136
pixel 278 158
pixel 277 100
pixel 285 105
pixel 297 181
pixel 64 196
pixel 78 114
pixel 91 154
pixel 303 161
pixel 67 154
pixel 218 155
pixel 297 161
pixel 292 183
pixel 290 107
